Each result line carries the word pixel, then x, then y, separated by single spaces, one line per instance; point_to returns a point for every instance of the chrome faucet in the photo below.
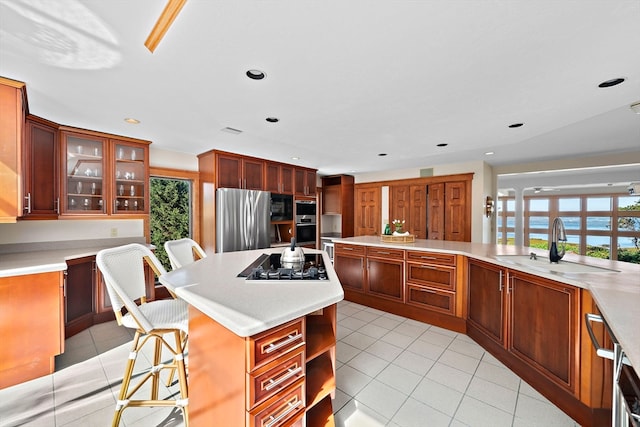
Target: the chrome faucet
pixel 558 240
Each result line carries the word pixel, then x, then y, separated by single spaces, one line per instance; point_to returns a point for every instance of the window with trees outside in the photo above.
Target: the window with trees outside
pixel 602 226
pixel 172 202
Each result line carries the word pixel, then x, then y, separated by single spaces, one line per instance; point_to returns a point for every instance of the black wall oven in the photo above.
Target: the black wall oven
pixel 306 222
pixel 281 207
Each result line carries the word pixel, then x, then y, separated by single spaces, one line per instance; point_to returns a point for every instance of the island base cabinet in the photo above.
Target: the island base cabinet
pixel 284 376
pixel 31 326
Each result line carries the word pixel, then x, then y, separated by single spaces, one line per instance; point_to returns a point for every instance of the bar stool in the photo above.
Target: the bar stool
pixel 182 252
pixel 123 269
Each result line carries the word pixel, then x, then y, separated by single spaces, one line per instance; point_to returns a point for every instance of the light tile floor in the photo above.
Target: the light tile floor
pixel 391 371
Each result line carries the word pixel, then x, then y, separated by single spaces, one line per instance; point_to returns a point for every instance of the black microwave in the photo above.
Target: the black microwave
pixel 281 207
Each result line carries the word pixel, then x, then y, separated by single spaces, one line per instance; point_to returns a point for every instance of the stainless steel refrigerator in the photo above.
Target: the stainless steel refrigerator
pixel 242 219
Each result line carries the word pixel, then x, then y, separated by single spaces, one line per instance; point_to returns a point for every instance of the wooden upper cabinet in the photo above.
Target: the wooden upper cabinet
pixel 304 182
pixel 279 178
pixel 40 172
pixel 338 199
pixel 228 170
pixel 235 171
pixel 13 105
pixel 367 211
pixel 331 199
pixel 104 175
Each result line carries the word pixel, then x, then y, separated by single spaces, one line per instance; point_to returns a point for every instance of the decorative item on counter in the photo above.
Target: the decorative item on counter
pixel 398 225
pixel 387 230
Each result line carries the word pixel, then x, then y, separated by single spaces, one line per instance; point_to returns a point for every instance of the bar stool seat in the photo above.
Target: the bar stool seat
pixel 182 252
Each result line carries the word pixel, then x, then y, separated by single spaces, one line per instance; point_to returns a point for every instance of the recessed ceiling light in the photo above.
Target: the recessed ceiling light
pixel 516 125
pixel 295 158
pixel 382 154
pixel 132 121
pixel 256 74
pixel 442 144
pixel 272 119
pixel 489 153
pixel 612 82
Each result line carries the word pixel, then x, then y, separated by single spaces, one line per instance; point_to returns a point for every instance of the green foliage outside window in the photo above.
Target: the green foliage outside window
pixel 170 214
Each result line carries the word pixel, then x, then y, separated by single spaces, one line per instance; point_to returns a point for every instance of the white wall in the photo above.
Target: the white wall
pixel 172 159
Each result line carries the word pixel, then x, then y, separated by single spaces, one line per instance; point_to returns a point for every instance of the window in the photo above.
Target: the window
pixel 172 205
pixel 603 226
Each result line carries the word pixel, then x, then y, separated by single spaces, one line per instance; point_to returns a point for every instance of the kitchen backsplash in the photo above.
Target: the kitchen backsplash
pixel 52 231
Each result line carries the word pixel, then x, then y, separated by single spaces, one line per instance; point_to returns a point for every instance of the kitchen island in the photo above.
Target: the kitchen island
pixel 528 313
pixel 260 351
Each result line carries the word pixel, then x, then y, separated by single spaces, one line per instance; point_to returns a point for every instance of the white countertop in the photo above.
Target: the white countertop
pixel 616 293
pixel 248 307
pixel 37 258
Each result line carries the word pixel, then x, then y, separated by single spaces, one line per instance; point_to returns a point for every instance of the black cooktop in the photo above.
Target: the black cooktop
pixel 268 267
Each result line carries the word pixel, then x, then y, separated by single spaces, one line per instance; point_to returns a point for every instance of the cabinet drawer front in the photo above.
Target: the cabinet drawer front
pixel 385 252
pixel 273 343
pixel 263 385
pixel 280 412
pixel 349 249
pixel 432 299
pixel 431 257
pixel 431 275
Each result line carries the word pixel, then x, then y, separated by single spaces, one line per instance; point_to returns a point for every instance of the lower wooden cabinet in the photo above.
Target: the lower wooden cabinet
pixel 31 326
pixel 432 281
pixel 79 295
pixel 385 273
pixel 284 376
pixel 486 301
pixel 349 263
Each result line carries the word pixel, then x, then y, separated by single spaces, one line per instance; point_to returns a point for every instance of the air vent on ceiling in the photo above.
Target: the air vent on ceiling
pixel 231 130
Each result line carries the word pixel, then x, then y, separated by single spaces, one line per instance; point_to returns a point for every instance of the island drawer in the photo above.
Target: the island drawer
pixel 385 252
pixel 275 342
pixel 283 411
pixel 431 257
pixel 349 249
pixel 275 377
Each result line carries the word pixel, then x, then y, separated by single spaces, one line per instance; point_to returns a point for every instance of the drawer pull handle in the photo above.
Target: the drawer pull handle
pixel 346 248
pixel 383 252
pixel 275 420
pixel 428 266
pixel 600 351
pixel 290 374
pixel 290 338
pixel 428 257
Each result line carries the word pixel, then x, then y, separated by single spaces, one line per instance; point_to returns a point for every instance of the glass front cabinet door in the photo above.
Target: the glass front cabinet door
pixel 85 169
pixel 130 178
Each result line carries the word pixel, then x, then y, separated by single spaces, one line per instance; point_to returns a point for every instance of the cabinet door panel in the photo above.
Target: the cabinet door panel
pixel 432 275
pixel 456 222
pixel 385 278
pixel 543 326
pixel 400 205
pixel 286 179
pixel 228 171
pixel 367 211
pixel 418 212
pixel 435 217
pixel 350 271
pixel 432 299
pixel 486 307
pixel 253 175
pixel 41 180
pixel 272 180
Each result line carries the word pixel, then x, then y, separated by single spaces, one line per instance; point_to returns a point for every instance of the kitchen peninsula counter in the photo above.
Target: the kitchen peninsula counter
pixel 617 293
pixel 248 307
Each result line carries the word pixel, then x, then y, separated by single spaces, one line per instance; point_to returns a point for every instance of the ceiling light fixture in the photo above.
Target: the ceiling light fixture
pixel 516 125
pixel 489 153
pixel 442 144
pixel 382 154
pixel 132 121
pixel 272 119
pixel 295 158
pixel 256 74
pixel 635 107
pixel 612 82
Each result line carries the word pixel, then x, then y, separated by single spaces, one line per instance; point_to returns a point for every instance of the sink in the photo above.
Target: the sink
pixel 543 264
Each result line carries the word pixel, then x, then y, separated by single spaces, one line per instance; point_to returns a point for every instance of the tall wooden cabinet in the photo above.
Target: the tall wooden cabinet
pixel 409 203
pixel 367 210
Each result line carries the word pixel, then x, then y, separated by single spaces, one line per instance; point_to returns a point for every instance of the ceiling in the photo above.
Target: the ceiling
pixel 347 80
